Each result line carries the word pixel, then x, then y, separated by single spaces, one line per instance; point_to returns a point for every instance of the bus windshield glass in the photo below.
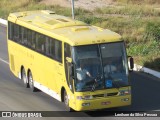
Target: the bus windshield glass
pixel 100 66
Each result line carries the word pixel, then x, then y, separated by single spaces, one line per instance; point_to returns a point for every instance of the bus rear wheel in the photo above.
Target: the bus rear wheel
pixel 24 78
pixel 31 82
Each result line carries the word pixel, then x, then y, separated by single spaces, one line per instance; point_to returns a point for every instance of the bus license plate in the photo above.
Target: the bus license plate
pixel 106 103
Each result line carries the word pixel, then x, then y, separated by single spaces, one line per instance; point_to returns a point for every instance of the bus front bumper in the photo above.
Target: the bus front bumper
pixel 102 103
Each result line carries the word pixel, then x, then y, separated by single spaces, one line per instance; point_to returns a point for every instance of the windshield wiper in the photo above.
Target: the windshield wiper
pixel 94 85
pixel 96 79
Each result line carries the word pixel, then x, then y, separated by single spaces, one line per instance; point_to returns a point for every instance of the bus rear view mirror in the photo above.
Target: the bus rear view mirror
pixel 70 66
pixel 131 63
pixel 69 60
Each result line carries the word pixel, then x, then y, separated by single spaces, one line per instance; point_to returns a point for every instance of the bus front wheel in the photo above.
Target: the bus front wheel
pixel 66 102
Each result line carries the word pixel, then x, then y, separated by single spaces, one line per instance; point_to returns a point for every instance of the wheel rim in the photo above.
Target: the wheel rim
pixel 24 78
pixel 30 80
pixel 66 99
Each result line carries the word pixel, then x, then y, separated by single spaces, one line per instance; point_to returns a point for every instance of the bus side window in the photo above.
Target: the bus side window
pixel 47 46
pixel 38 47
pixel 55 49
pixel 33 40
pixel 20 34
pixel 52 48
pixel 58 50
pixel 29 38
pixel 16 33
pixel 24 36
pixel 40 43
pixel 44 44
pixel 10 30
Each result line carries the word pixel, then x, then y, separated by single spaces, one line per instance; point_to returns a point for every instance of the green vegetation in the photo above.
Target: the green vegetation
pixel 137 21
pixel 134 10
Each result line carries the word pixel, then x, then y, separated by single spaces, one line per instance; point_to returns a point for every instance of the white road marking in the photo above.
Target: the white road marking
pixel 4 61
pixel 4 22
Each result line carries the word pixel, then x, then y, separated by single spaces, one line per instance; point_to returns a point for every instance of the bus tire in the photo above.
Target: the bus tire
pixel 24 78
pixel 31 82
pixel 66 102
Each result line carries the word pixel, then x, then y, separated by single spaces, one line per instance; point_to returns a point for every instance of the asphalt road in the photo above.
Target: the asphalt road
pixel 14 97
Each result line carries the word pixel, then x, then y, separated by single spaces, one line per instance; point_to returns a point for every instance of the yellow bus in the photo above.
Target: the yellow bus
pixel 84 66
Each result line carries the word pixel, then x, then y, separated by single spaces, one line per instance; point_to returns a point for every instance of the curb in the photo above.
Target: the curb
pixel 146 70
pixel 136 67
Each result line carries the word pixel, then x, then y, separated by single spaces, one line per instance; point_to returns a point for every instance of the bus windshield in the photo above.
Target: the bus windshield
pixel 100 66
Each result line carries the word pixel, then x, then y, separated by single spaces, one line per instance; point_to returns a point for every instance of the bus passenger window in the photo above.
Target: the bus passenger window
pixel 33 40
pixel 29 38
pixel 47 44
pixel 58 51
pixel 40 43
pixel 16 33
pixel 20 34
pixel 52 48
pixel 24 36
pixel 10 30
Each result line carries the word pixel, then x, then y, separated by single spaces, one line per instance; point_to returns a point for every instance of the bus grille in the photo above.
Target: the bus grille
pixel 98 96
pixel 105 95
pixel 112 94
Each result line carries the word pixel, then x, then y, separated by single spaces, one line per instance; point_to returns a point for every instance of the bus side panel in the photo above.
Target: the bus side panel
pixel 45 71
pixel 38 68
pixel 11 56
pixel 50 73
pixel 17 57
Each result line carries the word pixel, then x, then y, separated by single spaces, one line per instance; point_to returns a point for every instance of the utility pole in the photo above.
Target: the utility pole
pixel 72 2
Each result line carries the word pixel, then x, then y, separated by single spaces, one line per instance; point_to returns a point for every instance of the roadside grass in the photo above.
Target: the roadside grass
pixel 130 9
pixel 139 24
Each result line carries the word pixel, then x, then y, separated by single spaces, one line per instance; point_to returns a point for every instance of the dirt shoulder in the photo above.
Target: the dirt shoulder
pixel 85 4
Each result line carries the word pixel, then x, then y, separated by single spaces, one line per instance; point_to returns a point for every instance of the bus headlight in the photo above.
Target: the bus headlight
pixel 124 92
pixel 85 104
pixel 79 98
pixel 88 97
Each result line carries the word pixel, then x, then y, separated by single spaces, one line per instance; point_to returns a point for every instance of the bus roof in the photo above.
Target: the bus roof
pixel 60 27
